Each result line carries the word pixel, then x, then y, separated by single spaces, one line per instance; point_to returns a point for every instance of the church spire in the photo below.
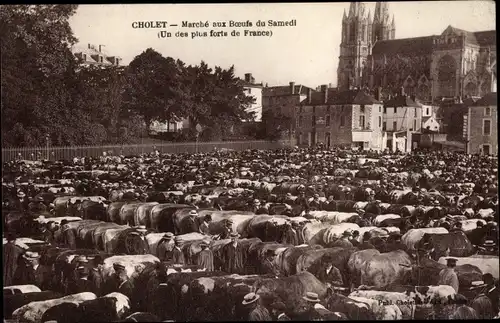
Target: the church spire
pixel 344 18
pixel 353 9
pixel 369 19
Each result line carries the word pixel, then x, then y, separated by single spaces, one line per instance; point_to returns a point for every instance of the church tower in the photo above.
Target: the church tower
pixel 355 47
pixel 383 29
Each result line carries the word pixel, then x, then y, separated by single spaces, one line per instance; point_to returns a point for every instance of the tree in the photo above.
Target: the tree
pixel 153 90
pixel 36 63
pixel 274 126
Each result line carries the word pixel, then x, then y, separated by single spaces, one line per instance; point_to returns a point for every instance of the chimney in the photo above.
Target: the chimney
pixel 266 84
pixel 329 85
pixel 100 48
pixel 292 88
pixel 309 95
pixel 89 46
pixel 248 77
pixel 324 89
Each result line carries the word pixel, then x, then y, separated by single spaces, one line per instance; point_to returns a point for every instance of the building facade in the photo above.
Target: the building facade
pixel 346 118
pixel 457 63
pixel 95 55
pixel 255 90
pixel 480 126
pixel 359 33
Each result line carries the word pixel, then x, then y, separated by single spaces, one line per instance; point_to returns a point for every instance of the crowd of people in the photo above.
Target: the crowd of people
pixel 364 203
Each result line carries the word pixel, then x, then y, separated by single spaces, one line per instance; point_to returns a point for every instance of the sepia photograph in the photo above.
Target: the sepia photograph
pixel 249 162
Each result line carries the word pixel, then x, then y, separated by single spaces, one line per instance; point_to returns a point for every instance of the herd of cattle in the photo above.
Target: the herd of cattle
pixel 310 213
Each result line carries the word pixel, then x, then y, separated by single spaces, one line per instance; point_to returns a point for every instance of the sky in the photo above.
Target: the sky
pixel 305 54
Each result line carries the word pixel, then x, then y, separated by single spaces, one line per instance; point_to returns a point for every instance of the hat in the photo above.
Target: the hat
pixel 288 194
pixel 204 244
pixel 451 260
pixel 193 212
pixel 234 235
pixel 311 297
pixel 346 233
pixel 21 194
pixel 256 202
pixel 489 243
pixel 82 270
pixel 31 255
pixel 117 266
pixel 279 306
pixel 250 298
pixel 168 235
pixel 435 202
pixel 82 259
pixel 39 199
pixel 142 228
pixel 378 201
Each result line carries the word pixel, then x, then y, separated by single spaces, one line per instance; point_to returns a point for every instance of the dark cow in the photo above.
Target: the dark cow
pixel 427 274
pixel 129 242
pixel 478 235
pixel 64 312
pixel 456 242
pixel 257 253
pixel 287 260
pixel 352 308
pixel 92 210
pixel 13 302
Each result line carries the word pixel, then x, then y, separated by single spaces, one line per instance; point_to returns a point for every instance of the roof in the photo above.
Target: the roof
pixel 417 45
pixel 401 101
pixel 483 38
pixel 285 90
pixel 248 84
pixel 488 99
pixel 358 97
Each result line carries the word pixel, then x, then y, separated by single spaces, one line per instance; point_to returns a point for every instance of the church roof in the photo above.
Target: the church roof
pixel 421 45
pixel 482 38
pixel 488 99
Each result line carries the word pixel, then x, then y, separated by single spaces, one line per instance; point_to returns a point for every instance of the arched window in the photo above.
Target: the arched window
pixel 352 31
pixel 447 78
pixel 470 89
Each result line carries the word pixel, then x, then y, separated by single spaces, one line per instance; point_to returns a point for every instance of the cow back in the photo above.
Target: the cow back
pixel 13 302
pixel 141 216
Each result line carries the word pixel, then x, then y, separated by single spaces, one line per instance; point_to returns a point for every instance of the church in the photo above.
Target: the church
pixel 457 63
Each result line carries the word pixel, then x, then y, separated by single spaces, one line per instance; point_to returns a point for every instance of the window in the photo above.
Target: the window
pixel 314 109
pixel 486 127
pixel 384 126
pixel 395 110
pixel 301 110
pixel 101 58
pixel 362 122
pixel 362 109
pixel 394 126
pixel 300 121
pixel 327 120
pixel 427 111
pixel 379 121
pixel 249 90
pixel 415 124
pixel 313 121
pixel 84 57
pixel 385 109
pixel 415 112
pixel 487 111
pixel 380 109
pixel 342 121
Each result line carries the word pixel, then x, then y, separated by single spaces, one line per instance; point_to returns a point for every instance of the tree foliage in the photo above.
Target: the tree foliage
pixel 274 126
pixel 48 93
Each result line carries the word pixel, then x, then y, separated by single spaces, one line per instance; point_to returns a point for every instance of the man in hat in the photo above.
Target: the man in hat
pixel 343 242
pixel 177 254
pixel 96 275
pixel 278 312
pixel 189 224
pixel 354 239
pixel 227 230
pixel 491 291
pixel 82 284
pixel 37 206
pixel 457 227
pixel 366 244
pixel 22 202
pixel 165 247
pixel 490 248
pixel 11 253
pixel 268 266
pixel 448 276
pixel 315 204
pixel 32 273
pixel 68 238
pixel 205 258
pixel 203 229
pixel 328 273
pixel 232 256
pixel 255 311
pixel 204 203
pixel 310 314
pixel 121 283
pixel 290 235
pixel 394 243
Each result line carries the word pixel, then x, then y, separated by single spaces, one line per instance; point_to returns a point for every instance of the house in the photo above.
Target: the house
pixel 283 100
pixel 480 126
pixel 430 124
pixel 92 55
pixel 255 90
pixel 349 118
